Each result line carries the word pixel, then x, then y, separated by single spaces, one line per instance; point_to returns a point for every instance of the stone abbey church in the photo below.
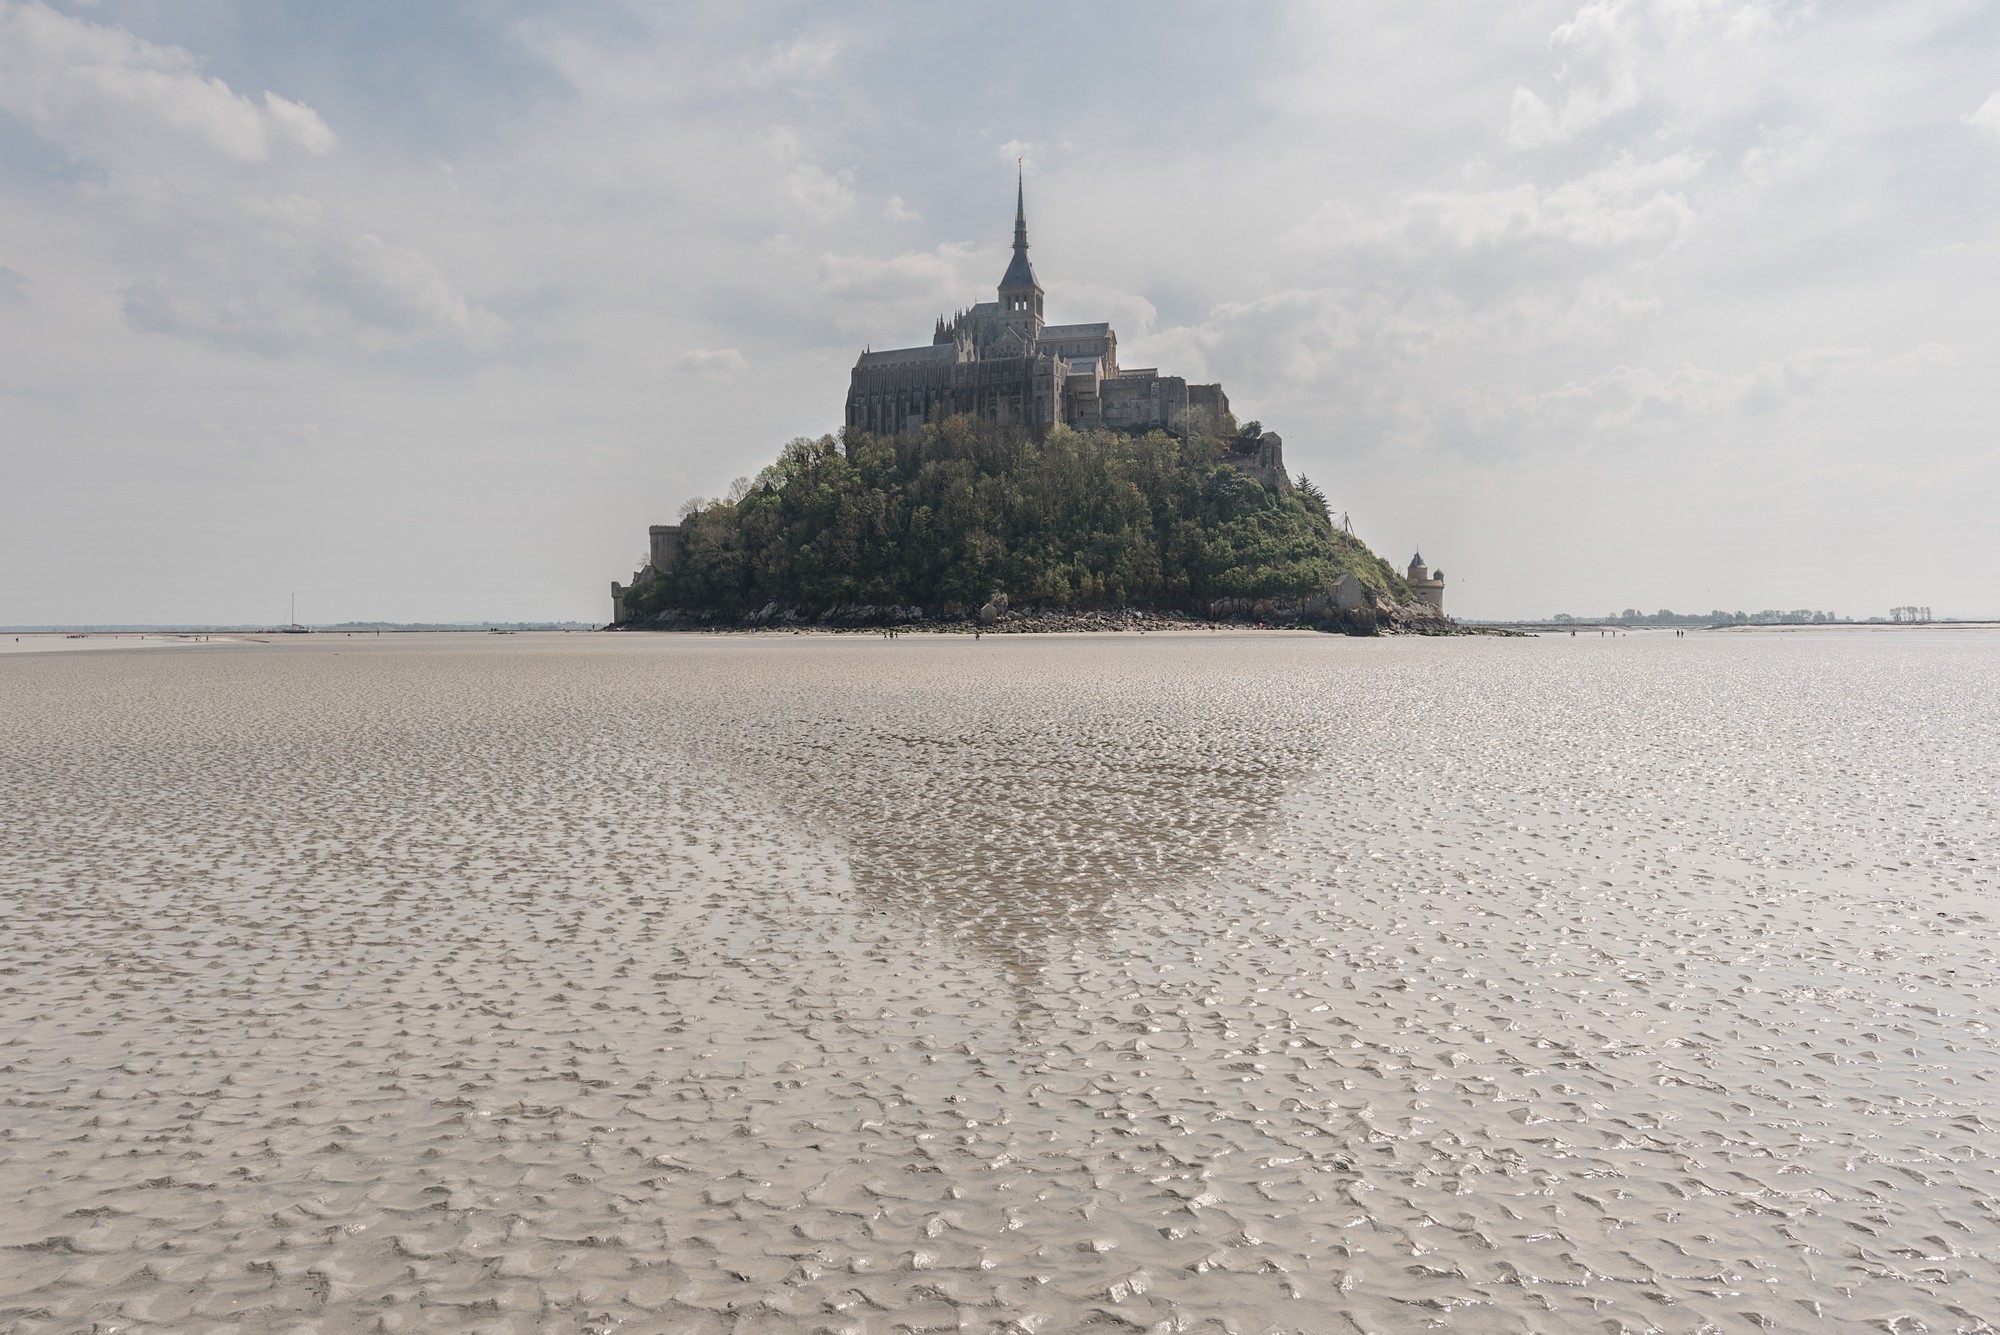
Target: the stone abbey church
pixel 999 362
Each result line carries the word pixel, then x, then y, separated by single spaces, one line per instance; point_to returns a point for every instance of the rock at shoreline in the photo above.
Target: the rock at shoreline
pixel 994 618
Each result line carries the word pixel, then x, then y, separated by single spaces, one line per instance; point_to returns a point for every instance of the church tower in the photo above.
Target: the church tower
pixel 1020 294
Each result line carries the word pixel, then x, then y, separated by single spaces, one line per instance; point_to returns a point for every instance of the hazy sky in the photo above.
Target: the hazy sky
pixel 426 311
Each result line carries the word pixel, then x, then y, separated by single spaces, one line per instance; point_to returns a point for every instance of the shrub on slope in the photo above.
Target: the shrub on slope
pixel 946 516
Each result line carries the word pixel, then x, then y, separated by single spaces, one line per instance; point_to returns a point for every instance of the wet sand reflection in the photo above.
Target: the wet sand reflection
pixel 1038 811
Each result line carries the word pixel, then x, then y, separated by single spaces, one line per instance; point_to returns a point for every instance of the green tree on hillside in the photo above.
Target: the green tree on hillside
pixel 947 516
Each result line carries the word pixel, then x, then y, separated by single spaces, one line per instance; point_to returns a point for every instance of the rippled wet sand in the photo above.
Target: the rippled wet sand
pixel 1178 983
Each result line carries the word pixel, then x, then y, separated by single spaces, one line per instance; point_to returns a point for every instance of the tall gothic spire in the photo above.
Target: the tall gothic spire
pixel 1020 273
pixel 1020 207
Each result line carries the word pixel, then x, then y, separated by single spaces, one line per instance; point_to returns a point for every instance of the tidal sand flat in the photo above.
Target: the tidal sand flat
pixel 47 642
pixel 1176 983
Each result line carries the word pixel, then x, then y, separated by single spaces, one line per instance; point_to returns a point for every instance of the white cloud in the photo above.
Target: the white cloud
pixel 815 193
pixel 292 283
pixel 299 123
pixel 891 302
pixel 793 64
pixel 270 275
pixel 1628 396
pixel 898 212
pixel 1778 152
pixel 101 92
pixel 1509 262
pixel 931 275
pixel 1986 119
pixel 713 363
pixel 782 143
pixel 1614 53
pixel 292 210
pixel 1339 348
pixel 865 278
pixel 1925 357
pixel 397 289
pixel 1628 203
pixel 1130 314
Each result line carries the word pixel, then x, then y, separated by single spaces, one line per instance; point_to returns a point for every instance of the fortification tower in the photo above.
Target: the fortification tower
pixel 1425 584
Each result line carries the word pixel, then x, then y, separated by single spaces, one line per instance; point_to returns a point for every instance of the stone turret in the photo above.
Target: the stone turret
pixel 663 547
pixel 663 553
pixel 1425 584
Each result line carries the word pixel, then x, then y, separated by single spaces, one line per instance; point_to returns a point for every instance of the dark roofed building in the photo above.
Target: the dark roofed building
pixel 999 361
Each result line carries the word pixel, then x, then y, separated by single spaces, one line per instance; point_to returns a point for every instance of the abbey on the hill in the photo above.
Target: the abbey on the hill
pixel 999 362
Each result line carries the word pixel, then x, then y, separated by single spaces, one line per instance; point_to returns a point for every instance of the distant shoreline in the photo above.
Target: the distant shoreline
pixel 1558 627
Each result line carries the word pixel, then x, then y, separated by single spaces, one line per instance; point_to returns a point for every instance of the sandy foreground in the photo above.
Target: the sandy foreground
pixel 48 642
pixel 1176 983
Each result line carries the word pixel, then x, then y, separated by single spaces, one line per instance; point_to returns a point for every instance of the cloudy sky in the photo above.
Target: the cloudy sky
pixel 426 311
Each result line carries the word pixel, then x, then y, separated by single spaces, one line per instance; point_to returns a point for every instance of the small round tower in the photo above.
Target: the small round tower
pixel 1427 586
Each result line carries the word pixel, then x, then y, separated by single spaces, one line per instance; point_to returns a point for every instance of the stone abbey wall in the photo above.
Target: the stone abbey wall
pixel 999 361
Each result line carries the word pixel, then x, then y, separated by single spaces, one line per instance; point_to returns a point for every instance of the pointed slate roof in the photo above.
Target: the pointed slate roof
pixel 1020 273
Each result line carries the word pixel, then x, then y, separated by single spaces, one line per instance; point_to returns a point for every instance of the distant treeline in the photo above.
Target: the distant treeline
pixel 1632 616
pixel 945 517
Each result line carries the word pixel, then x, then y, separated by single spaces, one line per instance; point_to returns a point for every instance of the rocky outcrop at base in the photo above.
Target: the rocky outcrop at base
pixel 996 618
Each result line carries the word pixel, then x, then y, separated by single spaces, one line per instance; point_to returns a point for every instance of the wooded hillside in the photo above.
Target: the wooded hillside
pixel 946 517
